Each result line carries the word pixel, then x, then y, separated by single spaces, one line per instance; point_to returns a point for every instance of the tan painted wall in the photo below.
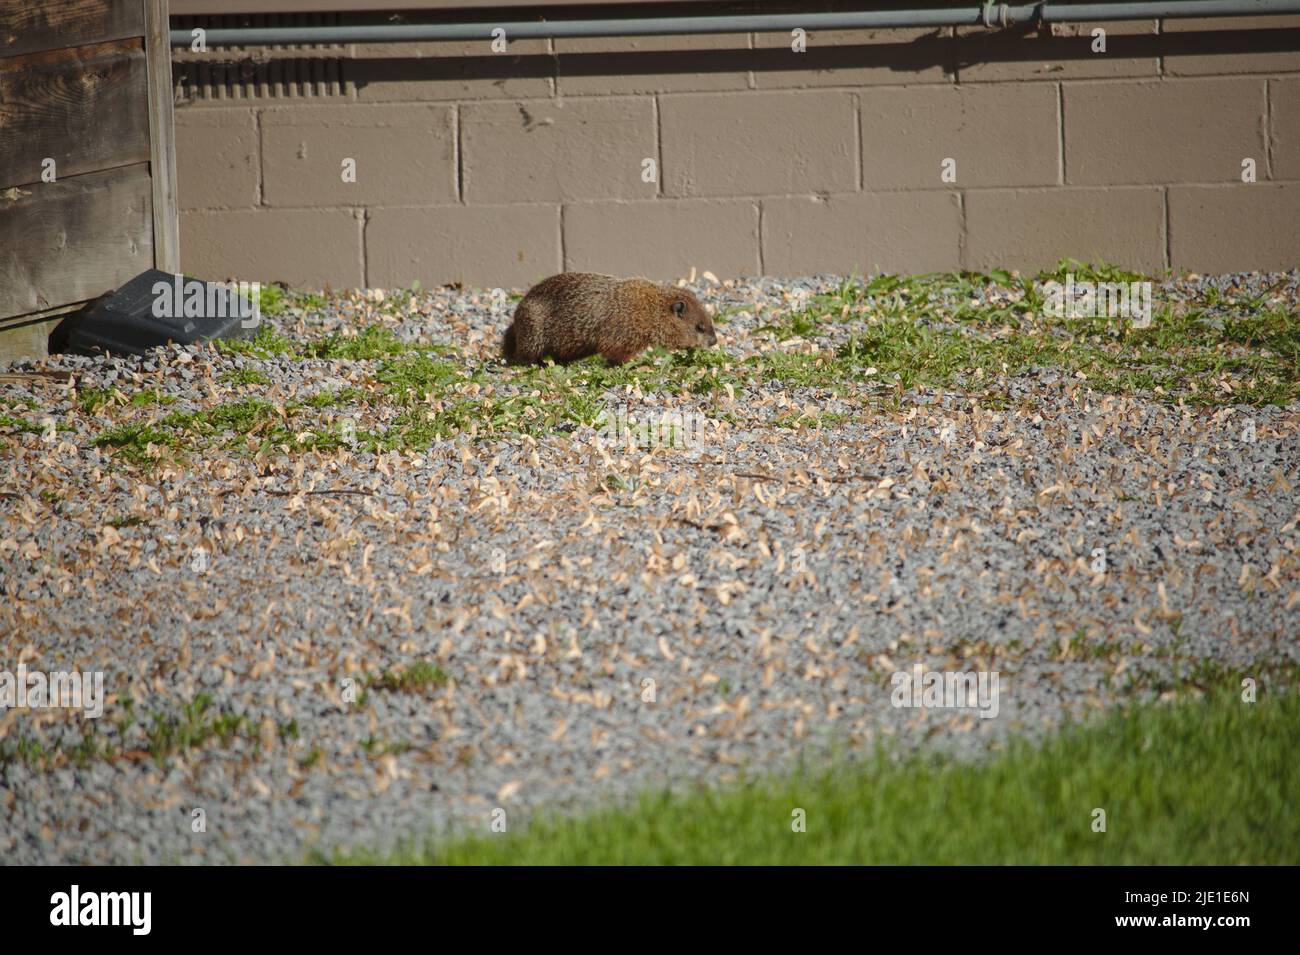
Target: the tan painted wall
pixel 501 169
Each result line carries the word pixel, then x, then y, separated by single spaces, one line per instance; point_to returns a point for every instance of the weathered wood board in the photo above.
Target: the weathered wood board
pixel 85 108
pixel 29 26
pixel 72 240
pixel 87 157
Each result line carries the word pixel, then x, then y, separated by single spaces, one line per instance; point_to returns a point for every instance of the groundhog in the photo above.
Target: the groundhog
pixel 576 314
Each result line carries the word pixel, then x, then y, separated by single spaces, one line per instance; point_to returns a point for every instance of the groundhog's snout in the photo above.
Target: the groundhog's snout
pixel 704 325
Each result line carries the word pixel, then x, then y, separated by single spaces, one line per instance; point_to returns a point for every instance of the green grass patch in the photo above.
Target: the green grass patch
pixel 418 374
pixel 1089 272
pixel 925 331
pixel 418 676
pixel 373 341
pixel 271 299
pixel 330 399
pixel 125 520
pixel 91 400
pixel 151 397
pixel 190 431
pixel 965 332
pixel 309 301
pixel 192 728
pixel 266 342
pixel 246 376
pixel 20 424
pixel 196 725
pixel 276 299
pixel 137 441
pixel 440 398
pixel 1209 781
pixel 242 416
pixel 374 746
pixel 800 324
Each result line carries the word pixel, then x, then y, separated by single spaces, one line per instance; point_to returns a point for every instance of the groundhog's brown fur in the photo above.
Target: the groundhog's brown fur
pixel 576 314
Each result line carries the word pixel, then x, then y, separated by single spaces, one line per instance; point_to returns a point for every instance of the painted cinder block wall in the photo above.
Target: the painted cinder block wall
pixel 498 170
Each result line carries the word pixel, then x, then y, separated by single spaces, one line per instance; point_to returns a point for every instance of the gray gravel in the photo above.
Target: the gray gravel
pixel 769 582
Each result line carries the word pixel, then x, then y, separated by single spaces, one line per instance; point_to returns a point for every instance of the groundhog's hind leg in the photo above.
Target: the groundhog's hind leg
pixel 524 342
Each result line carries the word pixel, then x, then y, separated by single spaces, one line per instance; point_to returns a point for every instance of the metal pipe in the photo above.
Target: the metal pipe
pixel 988 14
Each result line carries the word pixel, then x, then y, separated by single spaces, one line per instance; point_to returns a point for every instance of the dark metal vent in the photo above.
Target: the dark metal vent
pixel 261 72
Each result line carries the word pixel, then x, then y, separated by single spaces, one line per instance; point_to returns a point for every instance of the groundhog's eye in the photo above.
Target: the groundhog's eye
pixel 679 308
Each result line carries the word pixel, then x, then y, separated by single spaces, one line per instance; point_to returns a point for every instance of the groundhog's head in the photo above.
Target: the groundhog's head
pixel 688 324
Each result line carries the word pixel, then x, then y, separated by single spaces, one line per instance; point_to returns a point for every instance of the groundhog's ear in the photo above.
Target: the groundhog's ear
pixel 679 308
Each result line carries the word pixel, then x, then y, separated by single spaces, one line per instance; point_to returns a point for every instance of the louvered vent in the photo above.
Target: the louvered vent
pixel 259 72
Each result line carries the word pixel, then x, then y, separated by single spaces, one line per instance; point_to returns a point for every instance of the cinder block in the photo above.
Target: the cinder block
pixel 305 248
pixel 411 72
pixel 854 58
pixel 601 66
pixel 1284 132
pixel 477 245
pixel 1235 228
pixel 1070 52
pixel 997 136
pixel 903 232
pixel 216 158
pixel 758 143
pixel 403 155
pixel 1225 45
pixel 1033 229
pixel 662 239
pixel 1162 132
pixel 549 151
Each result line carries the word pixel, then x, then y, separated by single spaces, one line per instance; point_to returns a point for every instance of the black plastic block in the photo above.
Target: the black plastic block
pixel 155 308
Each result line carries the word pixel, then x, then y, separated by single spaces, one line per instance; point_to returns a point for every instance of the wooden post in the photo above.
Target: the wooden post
pixel 162 139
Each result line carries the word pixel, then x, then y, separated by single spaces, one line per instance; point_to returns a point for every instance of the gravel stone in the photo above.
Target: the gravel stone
pixel 769 582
